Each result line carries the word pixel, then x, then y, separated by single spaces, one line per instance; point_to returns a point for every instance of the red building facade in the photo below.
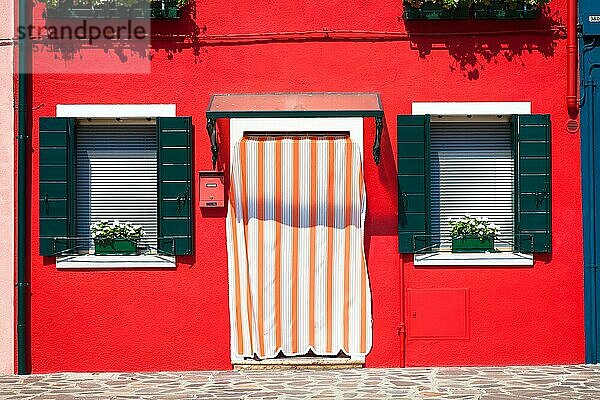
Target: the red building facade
pixel 455 312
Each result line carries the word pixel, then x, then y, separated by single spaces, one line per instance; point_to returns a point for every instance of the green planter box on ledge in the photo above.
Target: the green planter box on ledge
pixel 472 244
pixel 498 10
pixel 501 10
pixel 164 10
pixel 116 246
pixel 434 11
pixel 161 9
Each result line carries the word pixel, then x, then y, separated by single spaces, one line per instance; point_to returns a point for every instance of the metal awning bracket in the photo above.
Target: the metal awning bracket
pixel 211 129
pixel 377 143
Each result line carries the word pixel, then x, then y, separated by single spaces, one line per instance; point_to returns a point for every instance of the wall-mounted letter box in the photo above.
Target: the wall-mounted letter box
pixel 212 189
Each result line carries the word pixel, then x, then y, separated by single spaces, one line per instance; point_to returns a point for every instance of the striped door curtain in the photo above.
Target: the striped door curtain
pixel 297 273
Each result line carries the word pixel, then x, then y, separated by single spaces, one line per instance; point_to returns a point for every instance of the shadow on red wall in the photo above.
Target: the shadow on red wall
pixel 474 43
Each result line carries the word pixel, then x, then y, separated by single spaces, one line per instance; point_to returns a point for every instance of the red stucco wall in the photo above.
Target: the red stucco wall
pixel 178 319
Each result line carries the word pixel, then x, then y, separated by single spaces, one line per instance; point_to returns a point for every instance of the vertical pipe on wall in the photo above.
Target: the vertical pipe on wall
pixel 24 60
pixel 402 327
pixel 589 225
pixel 572 101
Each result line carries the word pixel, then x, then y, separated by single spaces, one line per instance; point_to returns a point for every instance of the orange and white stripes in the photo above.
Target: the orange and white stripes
pixel 297 271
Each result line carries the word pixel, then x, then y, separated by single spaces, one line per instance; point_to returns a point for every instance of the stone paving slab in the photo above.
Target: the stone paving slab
pixel 464 383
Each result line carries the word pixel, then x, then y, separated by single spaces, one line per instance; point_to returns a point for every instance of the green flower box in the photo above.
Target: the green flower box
pixel 160 9
pixel 164 10
pixel 472 244
pixel 498 10
pixel 502 11
pixel 115 247
pixel 433 11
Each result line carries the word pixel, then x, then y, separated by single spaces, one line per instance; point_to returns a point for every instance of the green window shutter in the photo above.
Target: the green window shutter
pixel 532 183
pixel 413 182
pixel 175 230
pixel 57 184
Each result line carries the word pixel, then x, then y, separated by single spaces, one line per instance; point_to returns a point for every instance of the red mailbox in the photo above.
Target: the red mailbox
pixel 212 189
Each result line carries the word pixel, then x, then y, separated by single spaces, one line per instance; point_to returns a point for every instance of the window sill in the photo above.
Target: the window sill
pixel 473 259
pixel 91 261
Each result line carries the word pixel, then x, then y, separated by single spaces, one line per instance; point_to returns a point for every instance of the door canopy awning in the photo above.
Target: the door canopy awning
pixel 294 105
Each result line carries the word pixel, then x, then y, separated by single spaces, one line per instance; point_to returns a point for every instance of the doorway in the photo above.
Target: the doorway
pixel 297 241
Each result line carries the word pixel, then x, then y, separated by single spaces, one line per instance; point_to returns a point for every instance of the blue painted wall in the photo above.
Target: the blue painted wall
pixel 589 20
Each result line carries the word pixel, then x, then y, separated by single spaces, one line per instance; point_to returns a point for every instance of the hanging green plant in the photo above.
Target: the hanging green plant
pixel 125 3
pixel 476 9
pixel 113 8
pixel 468 3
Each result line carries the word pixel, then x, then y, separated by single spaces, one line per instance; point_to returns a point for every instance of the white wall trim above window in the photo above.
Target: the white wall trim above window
pixel 116 110
pixel 472 108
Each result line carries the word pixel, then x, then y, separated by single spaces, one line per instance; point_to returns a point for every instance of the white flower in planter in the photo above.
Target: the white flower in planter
pixel 108 231
pixel 473 226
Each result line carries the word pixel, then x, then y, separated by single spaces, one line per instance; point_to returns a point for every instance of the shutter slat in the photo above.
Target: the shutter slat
pixel 57 208
pixel 472 172
pixel 533 211
pixel 413 178
pixel 117 178
pixel 175 231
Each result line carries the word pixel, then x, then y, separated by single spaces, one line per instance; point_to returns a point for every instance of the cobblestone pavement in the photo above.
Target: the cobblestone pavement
pixel 507 383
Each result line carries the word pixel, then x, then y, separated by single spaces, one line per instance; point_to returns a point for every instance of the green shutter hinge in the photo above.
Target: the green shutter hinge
pixel 182 199
pixel 46 204
pixel 541 196
pixel 403 200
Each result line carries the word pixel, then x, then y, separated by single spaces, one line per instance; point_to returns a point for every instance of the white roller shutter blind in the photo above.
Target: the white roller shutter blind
pixel 116 177
pixel 472 172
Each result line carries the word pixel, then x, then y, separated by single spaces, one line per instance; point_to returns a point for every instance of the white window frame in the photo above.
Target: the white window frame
pixel 90 261
pixel 464 110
